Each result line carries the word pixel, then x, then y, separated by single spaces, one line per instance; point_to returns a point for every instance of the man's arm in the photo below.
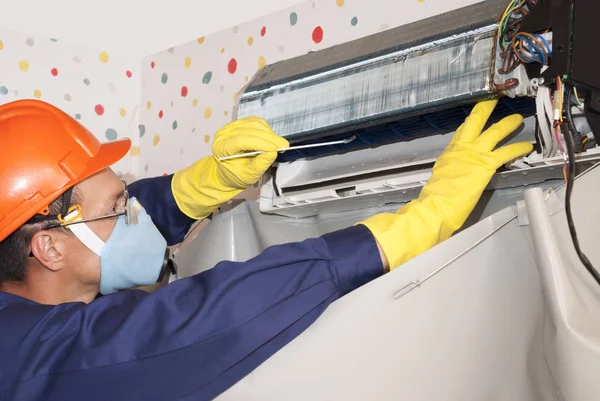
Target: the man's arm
pixel 156 196
pixel 195 337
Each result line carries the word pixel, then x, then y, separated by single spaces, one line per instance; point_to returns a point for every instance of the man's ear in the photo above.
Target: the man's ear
pixel 44 248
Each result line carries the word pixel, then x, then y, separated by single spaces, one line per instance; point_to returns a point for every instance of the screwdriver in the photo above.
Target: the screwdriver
pixel 314 145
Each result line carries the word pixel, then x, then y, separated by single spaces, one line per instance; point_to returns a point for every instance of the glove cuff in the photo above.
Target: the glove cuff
pixel 406 234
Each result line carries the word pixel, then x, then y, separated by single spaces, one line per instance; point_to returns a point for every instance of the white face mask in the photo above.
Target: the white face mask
pixel 136 254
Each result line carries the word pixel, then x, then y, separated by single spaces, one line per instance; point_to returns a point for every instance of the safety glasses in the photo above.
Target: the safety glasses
pixel 122 208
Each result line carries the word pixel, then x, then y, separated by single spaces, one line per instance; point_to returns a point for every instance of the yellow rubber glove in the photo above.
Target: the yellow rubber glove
pixel 459 177
pixel 203 187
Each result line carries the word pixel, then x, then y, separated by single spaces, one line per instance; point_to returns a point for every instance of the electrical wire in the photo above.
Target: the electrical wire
pixel 583 142
pixel 557 104
pixel 533 56
pixel 531 48
pixel 522 47
pixel 559 101
pixel 576 97
pixel 569 140
pixel 502 25
pixel 557 136
pixel 570 120
pixel 545 42
pixel 561 89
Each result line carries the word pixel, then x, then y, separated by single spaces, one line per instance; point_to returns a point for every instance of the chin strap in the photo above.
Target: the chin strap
pixel 169 265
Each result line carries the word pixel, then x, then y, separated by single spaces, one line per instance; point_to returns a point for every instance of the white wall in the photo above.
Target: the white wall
pixel 133 27
pixel 179 124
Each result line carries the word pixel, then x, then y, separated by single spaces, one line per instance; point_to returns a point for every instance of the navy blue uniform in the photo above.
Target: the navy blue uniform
pixel 190 340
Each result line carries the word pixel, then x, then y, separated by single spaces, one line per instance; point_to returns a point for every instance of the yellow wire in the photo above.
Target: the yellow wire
pixel 576 96
pixel 560 91
pixel 507 12
pixel 517 43
pixel 585 140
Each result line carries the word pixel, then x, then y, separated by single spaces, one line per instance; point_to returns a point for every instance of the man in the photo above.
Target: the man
pixel 70 229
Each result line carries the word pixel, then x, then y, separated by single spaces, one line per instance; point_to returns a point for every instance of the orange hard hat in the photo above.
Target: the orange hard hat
pixel 44 152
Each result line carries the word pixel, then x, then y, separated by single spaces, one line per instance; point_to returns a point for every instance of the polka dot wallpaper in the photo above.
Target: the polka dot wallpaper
pixel 189 91
pixel 171 103
pixel 99 89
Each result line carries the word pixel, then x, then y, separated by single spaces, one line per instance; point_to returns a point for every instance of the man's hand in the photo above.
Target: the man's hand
pixel 245 135
pixel 459 177
pixel 209 183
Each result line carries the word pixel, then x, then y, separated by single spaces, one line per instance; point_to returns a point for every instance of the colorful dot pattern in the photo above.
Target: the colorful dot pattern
pixel 94 87
pixel 188 91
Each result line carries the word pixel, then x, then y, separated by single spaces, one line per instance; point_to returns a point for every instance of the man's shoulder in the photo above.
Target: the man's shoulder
pixel 10 303
pixel 18 319
pixel 20 332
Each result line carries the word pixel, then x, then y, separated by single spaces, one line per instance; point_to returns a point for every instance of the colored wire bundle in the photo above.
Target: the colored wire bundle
pixel 511 19
pixel 513 6
pixel 522 47
pixel 517 47
pixel 531 48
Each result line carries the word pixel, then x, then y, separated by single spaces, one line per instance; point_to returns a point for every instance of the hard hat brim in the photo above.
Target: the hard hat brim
pixel 108 154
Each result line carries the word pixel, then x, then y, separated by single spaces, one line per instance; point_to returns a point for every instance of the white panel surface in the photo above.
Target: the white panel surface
pixel 472 332
pixel 489 321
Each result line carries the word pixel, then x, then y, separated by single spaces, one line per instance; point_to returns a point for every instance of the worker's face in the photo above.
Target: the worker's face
pixel 100 195
pixel 65 253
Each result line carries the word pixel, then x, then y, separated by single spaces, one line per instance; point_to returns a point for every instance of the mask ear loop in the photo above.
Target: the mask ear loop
pixel 81 231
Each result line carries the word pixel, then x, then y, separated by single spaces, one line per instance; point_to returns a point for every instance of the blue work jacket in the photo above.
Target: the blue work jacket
pixel 190 340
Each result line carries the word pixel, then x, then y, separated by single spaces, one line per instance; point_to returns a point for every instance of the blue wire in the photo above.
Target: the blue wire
pixel 536 54
pixel 529 59
pixel 527 46
pixel 541 52
pixel 543 39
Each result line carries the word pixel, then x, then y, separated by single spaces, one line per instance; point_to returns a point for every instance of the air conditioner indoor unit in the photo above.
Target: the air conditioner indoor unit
pixel 399 93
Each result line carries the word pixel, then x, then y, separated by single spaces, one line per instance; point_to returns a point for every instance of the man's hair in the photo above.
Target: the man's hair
pixel 15 249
